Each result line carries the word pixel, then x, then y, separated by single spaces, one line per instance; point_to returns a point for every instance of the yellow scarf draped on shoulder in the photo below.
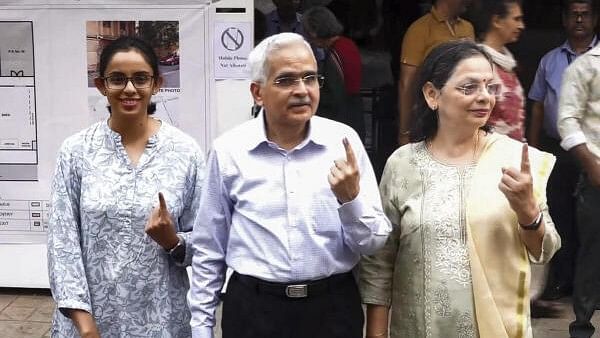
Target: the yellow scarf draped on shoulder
pixel 499 260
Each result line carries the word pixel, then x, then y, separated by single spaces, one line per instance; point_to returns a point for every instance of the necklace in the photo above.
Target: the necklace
pixel 474 156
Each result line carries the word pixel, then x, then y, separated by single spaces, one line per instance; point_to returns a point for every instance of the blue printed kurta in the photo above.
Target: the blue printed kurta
pixel 99 257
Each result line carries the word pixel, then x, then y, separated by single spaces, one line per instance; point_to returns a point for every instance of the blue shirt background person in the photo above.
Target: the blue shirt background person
pixel 545 88
pixel 284 18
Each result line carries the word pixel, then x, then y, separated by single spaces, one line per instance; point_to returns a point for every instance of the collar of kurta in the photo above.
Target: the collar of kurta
pixel 117 138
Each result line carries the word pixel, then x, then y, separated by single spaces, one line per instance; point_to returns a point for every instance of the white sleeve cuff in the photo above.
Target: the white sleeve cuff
pixel 202 332
pixel 573 140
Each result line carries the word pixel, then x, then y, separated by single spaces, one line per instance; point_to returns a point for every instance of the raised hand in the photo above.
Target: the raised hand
pixel 160 225
pixel 344 176
pixel 517 186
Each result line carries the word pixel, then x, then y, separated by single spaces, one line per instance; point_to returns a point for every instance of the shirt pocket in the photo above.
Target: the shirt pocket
pixel 325 218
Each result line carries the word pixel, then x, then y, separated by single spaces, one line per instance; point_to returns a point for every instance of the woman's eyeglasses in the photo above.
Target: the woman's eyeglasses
pixel 119 81
pixel 475 88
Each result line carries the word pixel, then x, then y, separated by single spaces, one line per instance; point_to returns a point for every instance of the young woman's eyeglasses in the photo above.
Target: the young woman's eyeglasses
pixel 475 88
pixel 292 81
pixel 119 81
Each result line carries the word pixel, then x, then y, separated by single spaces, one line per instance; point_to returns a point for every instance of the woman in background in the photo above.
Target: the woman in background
pixel 340 96
pixel 501 24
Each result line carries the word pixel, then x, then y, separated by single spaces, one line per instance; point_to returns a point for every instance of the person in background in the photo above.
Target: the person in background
pixel 260 26
pixel 284 18
pixel 579 128
pixel 579 20
pixel 468 212
pixel 289 204
pixel 124 199
pixel 501 24
pixel 441 24
pixel 340 96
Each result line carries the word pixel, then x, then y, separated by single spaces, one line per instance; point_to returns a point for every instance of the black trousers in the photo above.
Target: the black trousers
pixel 560 193
pixel 586 294
pixel 251 311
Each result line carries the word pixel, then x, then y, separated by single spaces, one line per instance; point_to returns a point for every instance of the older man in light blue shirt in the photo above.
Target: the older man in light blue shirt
pixel 290 202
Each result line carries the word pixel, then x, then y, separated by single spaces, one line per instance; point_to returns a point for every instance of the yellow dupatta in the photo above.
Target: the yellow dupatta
pixel 499 261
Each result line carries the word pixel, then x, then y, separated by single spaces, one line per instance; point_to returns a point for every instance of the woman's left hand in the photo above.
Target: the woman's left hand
pixel 517 186
pixel 160 226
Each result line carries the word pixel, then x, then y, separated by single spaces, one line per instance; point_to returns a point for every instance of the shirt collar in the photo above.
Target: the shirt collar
pixel 117 138
pixel 274 17
pixel 258 133
pixel 566 47
pixel 438 16
pixel 595 51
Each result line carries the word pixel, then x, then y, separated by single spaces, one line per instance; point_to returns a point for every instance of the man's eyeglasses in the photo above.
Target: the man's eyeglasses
pixel 310 80
pixel 119 81
pixel 577 15
pixel 475 88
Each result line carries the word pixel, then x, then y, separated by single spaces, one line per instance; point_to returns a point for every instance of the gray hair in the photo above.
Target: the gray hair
pixel 258 59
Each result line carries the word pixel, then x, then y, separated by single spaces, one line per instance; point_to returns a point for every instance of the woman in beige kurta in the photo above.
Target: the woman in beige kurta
pixel 457 262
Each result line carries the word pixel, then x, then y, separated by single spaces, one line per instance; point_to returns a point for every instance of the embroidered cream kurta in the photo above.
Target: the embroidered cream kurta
pixel 425 271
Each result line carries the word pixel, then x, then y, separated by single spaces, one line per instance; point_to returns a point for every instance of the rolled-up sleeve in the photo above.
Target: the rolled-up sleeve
pixel 66 270
pixel 572 104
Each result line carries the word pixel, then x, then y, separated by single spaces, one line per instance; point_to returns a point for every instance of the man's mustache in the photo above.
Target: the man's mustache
pixel 299 102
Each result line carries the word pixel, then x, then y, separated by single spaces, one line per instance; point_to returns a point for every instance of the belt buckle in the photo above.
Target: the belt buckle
pixel 296 291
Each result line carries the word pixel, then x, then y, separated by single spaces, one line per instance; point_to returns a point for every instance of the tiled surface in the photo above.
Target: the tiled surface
pixel 559 327
pixel 26 313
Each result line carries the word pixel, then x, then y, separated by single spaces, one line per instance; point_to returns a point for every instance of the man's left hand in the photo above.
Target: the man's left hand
pixel 160 226
pixel 344 176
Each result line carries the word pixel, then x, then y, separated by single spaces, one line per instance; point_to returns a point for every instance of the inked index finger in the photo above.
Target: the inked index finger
pixel 525 166
pixel 350 157
pixel 162 204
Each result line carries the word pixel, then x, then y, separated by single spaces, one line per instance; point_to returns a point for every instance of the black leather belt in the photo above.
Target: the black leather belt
pixel 292 289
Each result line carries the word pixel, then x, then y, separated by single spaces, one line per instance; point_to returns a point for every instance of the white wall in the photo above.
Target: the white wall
pixel 232 98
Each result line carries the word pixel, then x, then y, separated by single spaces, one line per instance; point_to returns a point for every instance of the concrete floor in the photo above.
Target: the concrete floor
pixel 26 313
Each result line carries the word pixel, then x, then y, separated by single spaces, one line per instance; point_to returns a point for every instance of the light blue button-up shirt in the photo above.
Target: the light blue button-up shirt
pixel 270 213
pixel 546 84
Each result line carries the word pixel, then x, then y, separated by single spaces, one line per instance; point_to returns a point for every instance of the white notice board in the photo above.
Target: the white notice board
pixel 48 51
